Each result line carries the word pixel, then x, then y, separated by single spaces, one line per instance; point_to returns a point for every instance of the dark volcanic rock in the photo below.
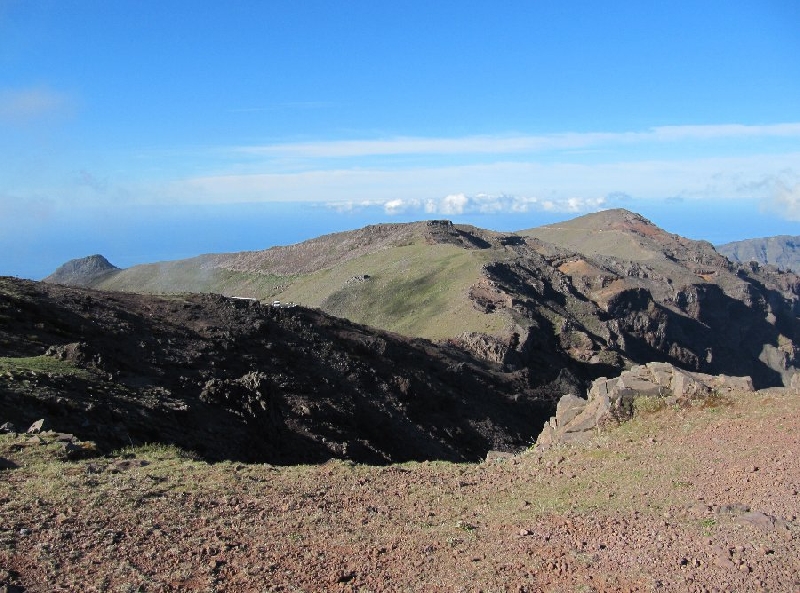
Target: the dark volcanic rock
pixel 617 283
pixel 233 379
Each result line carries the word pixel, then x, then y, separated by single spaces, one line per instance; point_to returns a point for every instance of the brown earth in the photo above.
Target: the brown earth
pixel 696 498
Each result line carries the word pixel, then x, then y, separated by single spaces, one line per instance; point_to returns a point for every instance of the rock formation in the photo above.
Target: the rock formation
pixel 614 400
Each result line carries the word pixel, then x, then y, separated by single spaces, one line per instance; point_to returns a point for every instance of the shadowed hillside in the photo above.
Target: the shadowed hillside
pixel 232 379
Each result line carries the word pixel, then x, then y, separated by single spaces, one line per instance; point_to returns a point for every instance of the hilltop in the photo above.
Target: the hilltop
pixel 84 271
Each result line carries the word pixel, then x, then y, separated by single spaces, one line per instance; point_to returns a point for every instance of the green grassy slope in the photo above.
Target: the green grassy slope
pixel 416 288
pixel 419 290
pixel 191 275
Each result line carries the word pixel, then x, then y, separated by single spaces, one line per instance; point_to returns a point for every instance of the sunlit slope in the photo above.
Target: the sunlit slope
pixel 616 233
pixel 638 251
pixel 197 274
pixel 412 278
pixel 419 290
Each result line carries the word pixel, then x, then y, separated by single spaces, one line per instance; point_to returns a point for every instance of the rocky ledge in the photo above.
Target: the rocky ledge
pixel 611 401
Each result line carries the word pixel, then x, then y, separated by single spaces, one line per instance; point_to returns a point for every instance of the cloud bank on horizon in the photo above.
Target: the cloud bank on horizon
pixel 567 172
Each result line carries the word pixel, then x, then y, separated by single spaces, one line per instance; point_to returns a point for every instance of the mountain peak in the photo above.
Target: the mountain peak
pixel 615 218
pixel 82 271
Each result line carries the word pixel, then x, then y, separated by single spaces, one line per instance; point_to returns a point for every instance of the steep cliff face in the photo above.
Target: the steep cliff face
pixel 612 289
pixel 782 251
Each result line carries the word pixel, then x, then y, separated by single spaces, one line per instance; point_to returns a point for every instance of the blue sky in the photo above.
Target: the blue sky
pixel 156 130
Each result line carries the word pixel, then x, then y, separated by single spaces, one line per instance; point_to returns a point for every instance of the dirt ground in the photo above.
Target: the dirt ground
pixel 691 499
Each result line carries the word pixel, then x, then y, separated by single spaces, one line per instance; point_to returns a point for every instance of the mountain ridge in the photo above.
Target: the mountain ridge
pixel 592 295
pixel 782 251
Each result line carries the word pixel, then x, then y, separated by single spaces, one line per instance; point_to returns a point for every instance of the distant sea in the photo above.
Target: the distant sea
pixel 34 246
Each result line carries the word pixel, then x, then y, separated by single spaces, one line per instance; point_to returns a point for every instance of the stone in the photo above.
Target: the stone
pixel 77 449
pixel 686 386
pixel 38 426
pixel 126 464
pixel 757 519
pixel 568 407
pixel 7 428
pixel 794 382
pixel 642 385
pixel 736 508
pixel 725 563
pixel 601 387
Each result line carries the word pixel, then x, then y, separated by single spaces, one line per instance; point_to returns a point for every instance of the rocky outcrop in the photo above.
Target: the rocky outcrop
pixel 611 401
pixel 485 347
pixel 486 297
pixel 77 352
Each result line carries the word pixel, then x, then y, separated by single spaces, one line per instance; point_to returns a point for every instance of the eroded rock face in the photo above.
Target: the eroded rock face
pixel 612 400
pixel 485 347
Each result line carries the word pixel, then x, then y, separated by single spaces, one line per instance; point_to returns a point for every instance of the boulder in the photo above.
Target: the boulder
pixel 569 406
pixel 7 428
pixel 38 426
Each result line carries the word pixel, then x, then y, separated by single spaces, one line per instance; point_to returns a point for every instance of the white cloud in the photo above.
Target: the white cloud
pixel 573 205
pixel 398 206
pixel 730 177
pixel 22 105
pixel 512 144
pixel 457 204
pixel 784 196
pixel 725 131
pixel 453 204
pixel 353 205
